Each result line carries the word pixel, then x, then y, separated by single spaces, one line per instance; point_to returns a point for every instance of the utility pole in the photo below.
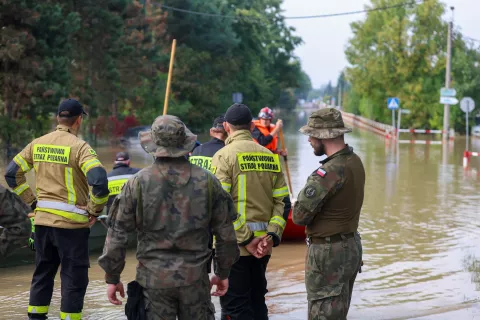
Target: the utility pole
pixel 340 94
pixel 446 107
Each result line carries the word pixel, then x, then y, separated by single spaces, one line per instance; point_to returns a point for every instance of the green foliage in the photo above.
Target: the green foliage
pixel 217 57
pixel 304 86
pixel 113 55
pixel 402 52
pixel 34 65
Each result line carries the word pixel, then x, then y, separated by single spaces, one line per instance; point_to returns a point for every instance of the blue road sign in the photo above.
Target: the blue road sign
pixel 237 97
pixel 393 103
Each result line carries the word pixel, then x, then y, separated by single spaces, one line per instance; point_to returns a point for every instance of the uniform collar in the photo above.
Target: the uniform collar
pixel 239 135
pixel 61 127
pixel 120 165
pixel 216 140
pixel 345 151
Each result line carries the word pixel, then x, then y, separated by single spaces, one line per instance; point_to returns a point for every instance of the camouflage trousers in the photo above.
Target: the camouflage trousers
pixel 186 303
pixel 330 271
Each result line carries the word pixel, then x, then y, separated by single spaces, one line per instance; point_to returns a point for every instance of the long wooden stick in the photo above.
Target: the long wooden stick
pixel 170 70
pixel 289 180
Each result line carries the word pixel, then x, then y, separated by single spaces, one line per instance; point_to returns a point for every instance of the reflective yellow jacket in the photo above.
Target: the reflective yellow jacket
pixel 253 176
pixel 64 167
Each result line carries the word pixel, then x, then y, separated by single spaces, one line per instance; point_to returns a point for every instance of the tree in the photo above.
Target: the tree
pixel 399 52
pixel 252 54
pixel 34 65
pixel 304 86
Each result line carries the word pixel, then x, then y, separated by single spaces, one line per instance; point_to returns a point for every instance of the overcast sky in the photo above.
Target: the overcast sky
pixel 322 53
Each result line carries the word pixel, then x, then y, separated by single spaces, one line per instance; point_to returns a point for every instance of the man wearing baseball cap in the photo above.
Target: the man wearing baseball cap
pixel 253 176
pixel 119 175
pixel 65 208
pixel 202 155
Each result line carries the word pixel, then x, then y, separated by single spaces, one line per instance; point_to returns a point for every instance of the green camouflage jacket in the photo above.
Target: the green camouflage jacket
pixel 168 205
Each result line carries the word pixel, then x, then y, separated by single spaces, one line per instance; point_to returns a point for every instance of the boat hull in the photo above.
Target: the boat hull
pixel 292 231
pixel 25 256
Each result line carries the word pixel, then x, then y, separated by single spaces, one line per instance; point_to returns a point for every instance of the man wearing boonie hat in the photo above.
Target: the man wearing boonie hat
pixel 172 205
pixel 329 206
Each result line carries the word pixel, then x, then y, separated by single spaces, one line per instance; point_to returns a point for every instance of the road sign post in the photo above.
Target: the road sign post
pixel 393 104
pixel 400 111
pixel 467 105
pixel 398 124
pixel 393 119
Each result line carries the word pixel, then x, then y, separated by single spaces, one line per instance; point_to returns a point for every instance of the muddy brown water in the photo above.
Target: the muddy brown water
pixel 420 229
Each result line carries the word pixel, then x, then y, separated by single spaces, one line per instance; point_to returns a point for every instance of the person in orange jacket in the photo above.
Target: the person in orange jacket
pixel 265 133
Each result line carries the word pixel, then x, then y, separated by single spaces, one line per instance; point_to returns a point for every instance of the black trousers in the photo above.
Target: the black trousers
pixel 55 246
pixel 245 298
pixel 287 206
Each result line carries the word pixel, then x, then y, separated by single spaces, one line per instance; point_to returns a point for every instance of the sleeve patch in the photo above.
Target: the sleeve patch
pixel 92 152
pixel 322 173
pixel 310 191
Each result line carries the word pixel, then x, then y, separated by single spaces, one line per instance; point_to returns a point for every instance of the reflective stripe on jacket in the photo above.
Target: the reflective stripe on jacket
pixel 116 183
pixel 116 180
pixel 203 154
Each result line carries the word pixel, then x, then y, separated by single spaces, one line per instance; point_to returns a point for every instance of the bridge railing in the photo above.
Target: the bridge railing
pixel 368 124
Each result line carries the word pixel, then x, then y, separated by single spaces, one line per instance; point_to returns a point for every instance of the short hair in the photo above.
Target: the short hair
pixel 240 126
pixel 67 121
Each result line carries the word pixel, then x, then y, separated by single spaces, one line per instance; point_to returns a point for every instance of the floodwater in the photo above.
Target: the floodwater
pixel 419 226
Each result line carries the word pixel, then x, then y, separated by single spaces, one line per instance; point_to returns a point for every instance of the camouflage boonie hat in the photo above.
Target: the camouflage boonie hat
pixel 326 123
pixel 168 137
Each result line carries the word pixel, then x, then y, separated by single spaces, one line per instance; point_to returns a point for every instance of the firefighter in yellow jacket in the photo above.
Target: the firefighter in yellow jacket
pixel 253 176
pixel 64 167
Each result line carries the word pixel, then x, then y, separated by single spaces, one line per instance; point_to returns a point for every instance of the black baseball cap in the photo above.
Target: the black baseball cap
pixel 218 122
pixel 70 108
pixel 122 156
pixel 238 114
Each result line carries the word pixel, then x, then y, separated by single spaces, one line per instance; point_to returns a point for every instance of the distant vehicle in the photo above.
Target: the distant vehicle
pixel 130 136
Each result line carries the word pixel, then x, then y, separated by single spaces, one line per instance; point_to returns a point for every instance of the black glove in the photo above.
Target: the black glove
pixel 34 205
pixel 31 240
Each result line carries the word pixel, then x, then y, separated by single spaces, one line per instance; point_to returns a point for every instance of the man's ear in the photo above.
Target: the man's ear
pixel 226 127
pixel 252 126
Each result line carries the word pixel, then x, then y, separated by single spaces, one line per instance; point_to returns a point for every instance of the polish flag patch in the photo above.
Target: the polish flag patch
pixel 322 173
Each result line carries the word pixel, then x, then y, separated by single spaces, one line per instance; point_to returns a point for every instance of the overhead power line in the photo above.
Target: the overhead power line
pixel 206 14
pixel 411 3
pixel 471 39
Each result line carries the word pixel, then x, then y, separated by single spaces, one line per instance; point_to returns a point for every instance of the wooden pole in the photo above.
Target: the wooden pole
pixel 169 80
pixel 289 180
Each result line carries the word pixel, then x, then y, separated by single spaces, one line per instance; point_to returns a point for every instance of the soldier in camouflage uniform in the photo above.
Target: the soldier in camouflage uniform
pixel 329 206
pixel 172 205
pixel 14 220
